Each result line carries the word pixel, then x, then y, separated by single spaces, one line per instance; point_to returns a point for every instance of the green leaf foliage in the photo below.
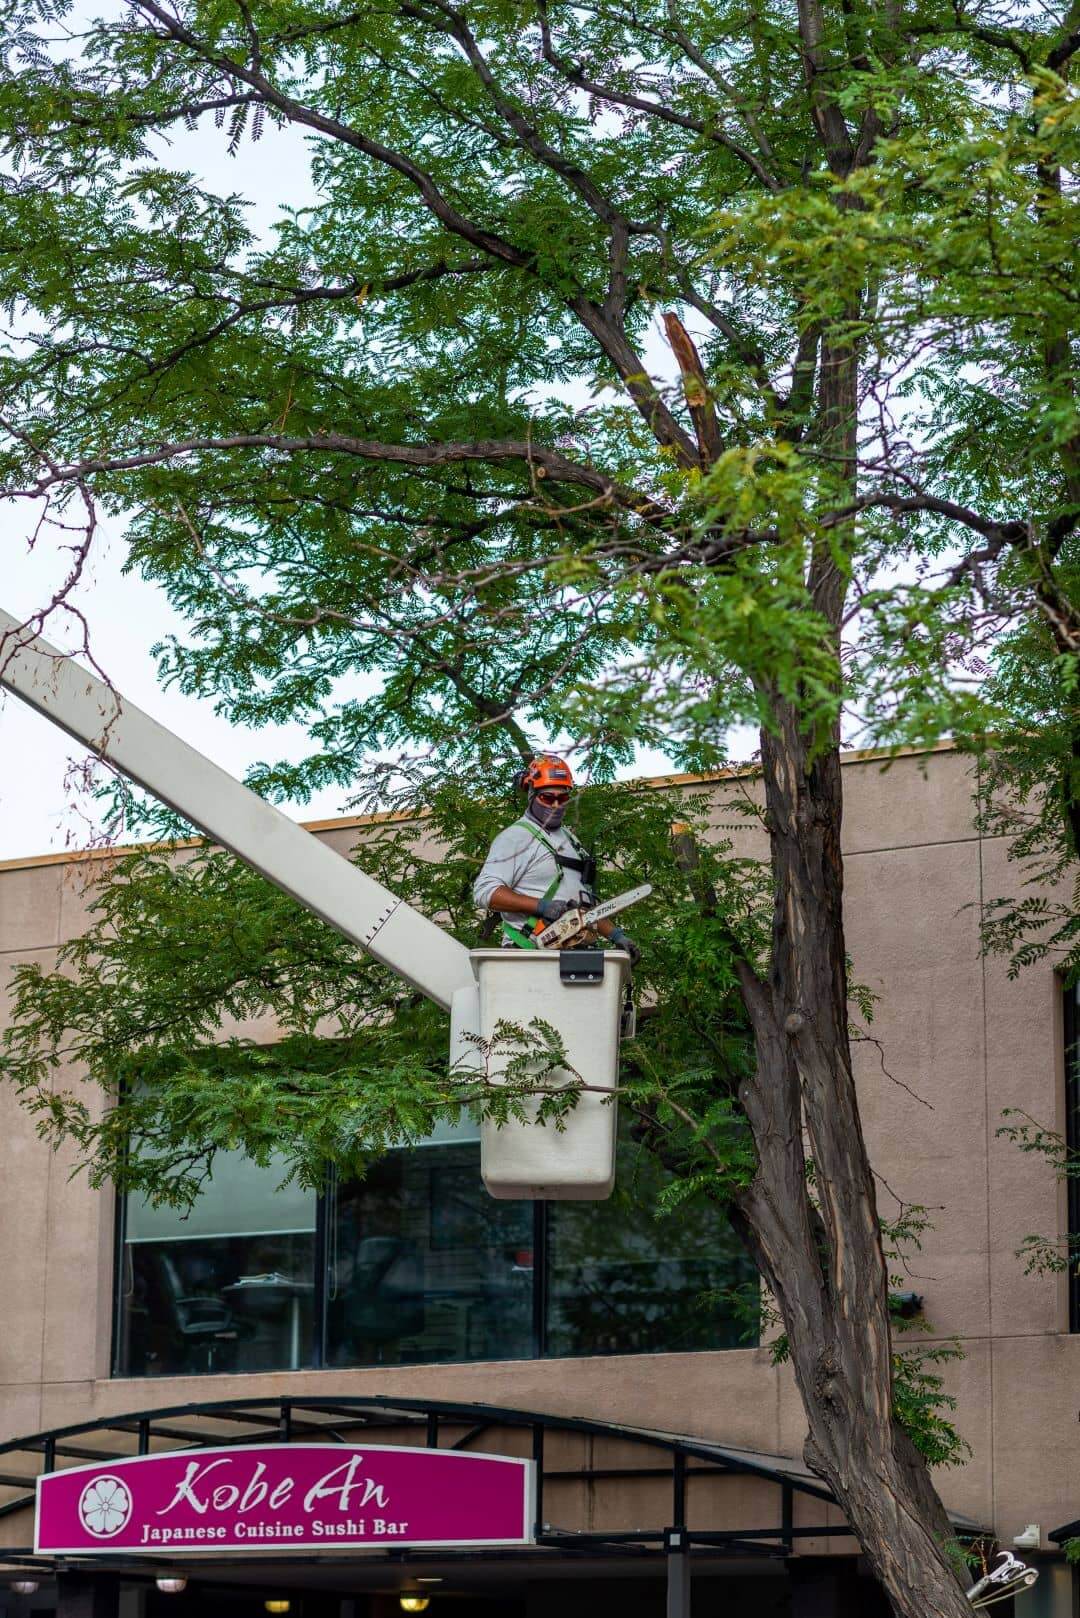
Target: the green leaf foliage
pixel 182 940
pixel 617 376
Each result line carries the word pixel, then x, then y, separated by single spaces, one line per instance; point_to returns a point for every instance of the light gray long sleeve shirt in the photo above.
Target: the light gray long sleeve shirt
pixel 516 860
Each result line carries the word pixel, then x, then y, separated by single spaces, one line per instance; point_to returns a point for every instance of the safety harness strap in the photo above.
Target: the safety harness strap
pixel 524 940
pixel 562 860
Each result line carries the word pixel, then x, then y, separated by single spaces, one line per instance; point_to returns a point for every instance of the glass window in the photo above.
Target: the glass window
pixel 418 1265
pixel 424 1265
pixel 228 1287
pixel 621 1280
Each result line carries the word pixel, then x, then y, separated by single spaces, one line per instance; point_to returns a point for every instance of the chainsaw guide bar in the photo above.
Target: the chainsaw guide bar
pixel 570 927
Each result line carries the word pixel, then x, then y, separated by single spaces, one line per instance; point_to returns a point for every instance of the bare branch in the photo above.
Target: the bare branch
pixel 654 109
pixel 744 347
pixel 546 463
pixel 448 216
pixel 720 80
pixel 1008 532
pixel 527 134
pixel 611 338
pixel 696 389
pixel 639 385
pixel 168 115
pixel 605 322
pixel 1065 49
pixel 294 297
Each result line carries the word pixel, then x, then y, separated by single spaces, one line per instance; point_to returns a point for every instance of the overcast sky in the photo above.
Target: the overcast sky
pixel 39 811
pixel 42 809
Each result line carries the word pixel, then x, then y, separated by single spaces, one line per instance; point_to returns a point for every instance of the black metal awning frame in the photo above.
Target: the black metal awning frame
pixel 337 1420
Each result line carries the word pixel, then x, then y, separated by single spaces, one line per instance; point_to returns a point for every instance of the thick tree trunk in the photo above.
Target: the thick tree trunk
pixel 819 1246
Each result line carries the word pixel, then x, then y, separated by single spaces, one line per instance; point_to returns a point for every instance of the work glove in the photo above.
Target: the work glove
pixel 622 940
pixel 553 909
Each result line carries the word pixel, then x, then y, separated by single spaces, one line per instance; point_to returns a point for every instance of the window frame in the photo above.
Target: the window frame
pixel 322 1261
pixel 119 1257
pixel 1071 1031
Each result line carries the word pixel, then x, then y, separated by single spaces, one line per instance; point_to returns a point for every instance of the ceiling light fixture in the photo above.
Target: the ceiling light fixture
pixel 171 1585
pixel 25 1587
pixel 414 1603
pixel 278 1604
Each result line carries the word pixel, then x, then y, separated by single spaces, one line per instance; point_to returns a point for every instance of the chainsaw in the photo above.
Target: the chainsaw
pixel 1010 1576
pixel 574 923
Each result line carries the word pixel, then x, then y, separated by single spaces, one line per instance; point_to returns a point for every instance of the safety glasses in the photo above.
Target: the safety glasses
pixel 552 796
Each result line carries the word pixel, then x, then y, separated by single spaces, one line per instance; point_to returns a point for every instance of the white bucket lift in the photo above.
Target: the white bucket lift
pixel 580 993
pixel 483 987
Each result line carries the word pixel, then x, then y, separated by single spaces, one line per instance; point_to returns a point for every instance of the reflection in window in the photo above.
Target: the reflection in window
pixel 424 1265
pixel 621 1280
pixel 229 1287
pixel 418 1265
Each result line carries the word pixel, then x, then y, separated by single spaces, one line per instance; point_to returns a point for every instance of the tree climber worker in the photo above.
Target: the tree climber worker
pixel 536 870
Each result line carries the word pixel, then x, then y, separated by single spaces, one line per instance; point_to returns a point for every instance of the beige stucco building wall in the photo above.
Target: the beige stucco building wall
pixel 958 1043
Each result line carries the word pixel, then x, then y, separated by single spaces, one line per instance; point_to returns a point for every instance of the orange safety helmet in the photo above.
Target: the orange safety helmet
pixel 547 772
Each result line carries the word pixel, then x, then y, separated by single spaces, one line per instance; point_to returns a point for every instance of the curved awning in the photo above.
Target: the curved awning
pixel 669 1470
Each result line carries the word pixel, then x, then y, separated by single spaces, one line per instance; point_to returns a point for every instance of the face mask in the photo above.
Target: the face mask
pixel 548 815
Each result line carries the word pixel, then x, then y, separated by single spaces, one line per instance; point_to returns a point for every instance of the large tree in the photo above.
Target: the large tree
pixel 635 371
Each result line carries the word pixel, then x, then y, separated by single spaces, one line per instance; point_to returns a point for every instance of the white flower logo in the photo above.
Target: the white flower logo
pixel 104 1506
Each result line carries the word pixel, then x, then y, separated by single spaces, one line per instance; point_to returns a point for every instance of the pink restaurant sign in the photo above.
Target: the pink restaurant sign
pixel 280 1497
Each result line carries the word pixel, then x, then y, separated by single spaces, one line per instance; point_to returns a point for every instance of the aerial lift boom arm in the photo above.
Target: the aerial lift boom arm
pixel 485 990
pixel 231 814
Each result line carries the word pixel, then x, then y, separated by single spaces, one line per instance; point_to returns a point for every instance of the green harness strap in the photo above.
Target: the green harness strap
pixel 521 939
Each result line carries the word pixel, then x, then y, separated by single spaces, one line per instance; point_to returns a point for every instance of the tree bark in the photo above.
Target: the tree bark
pixel 819 1244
